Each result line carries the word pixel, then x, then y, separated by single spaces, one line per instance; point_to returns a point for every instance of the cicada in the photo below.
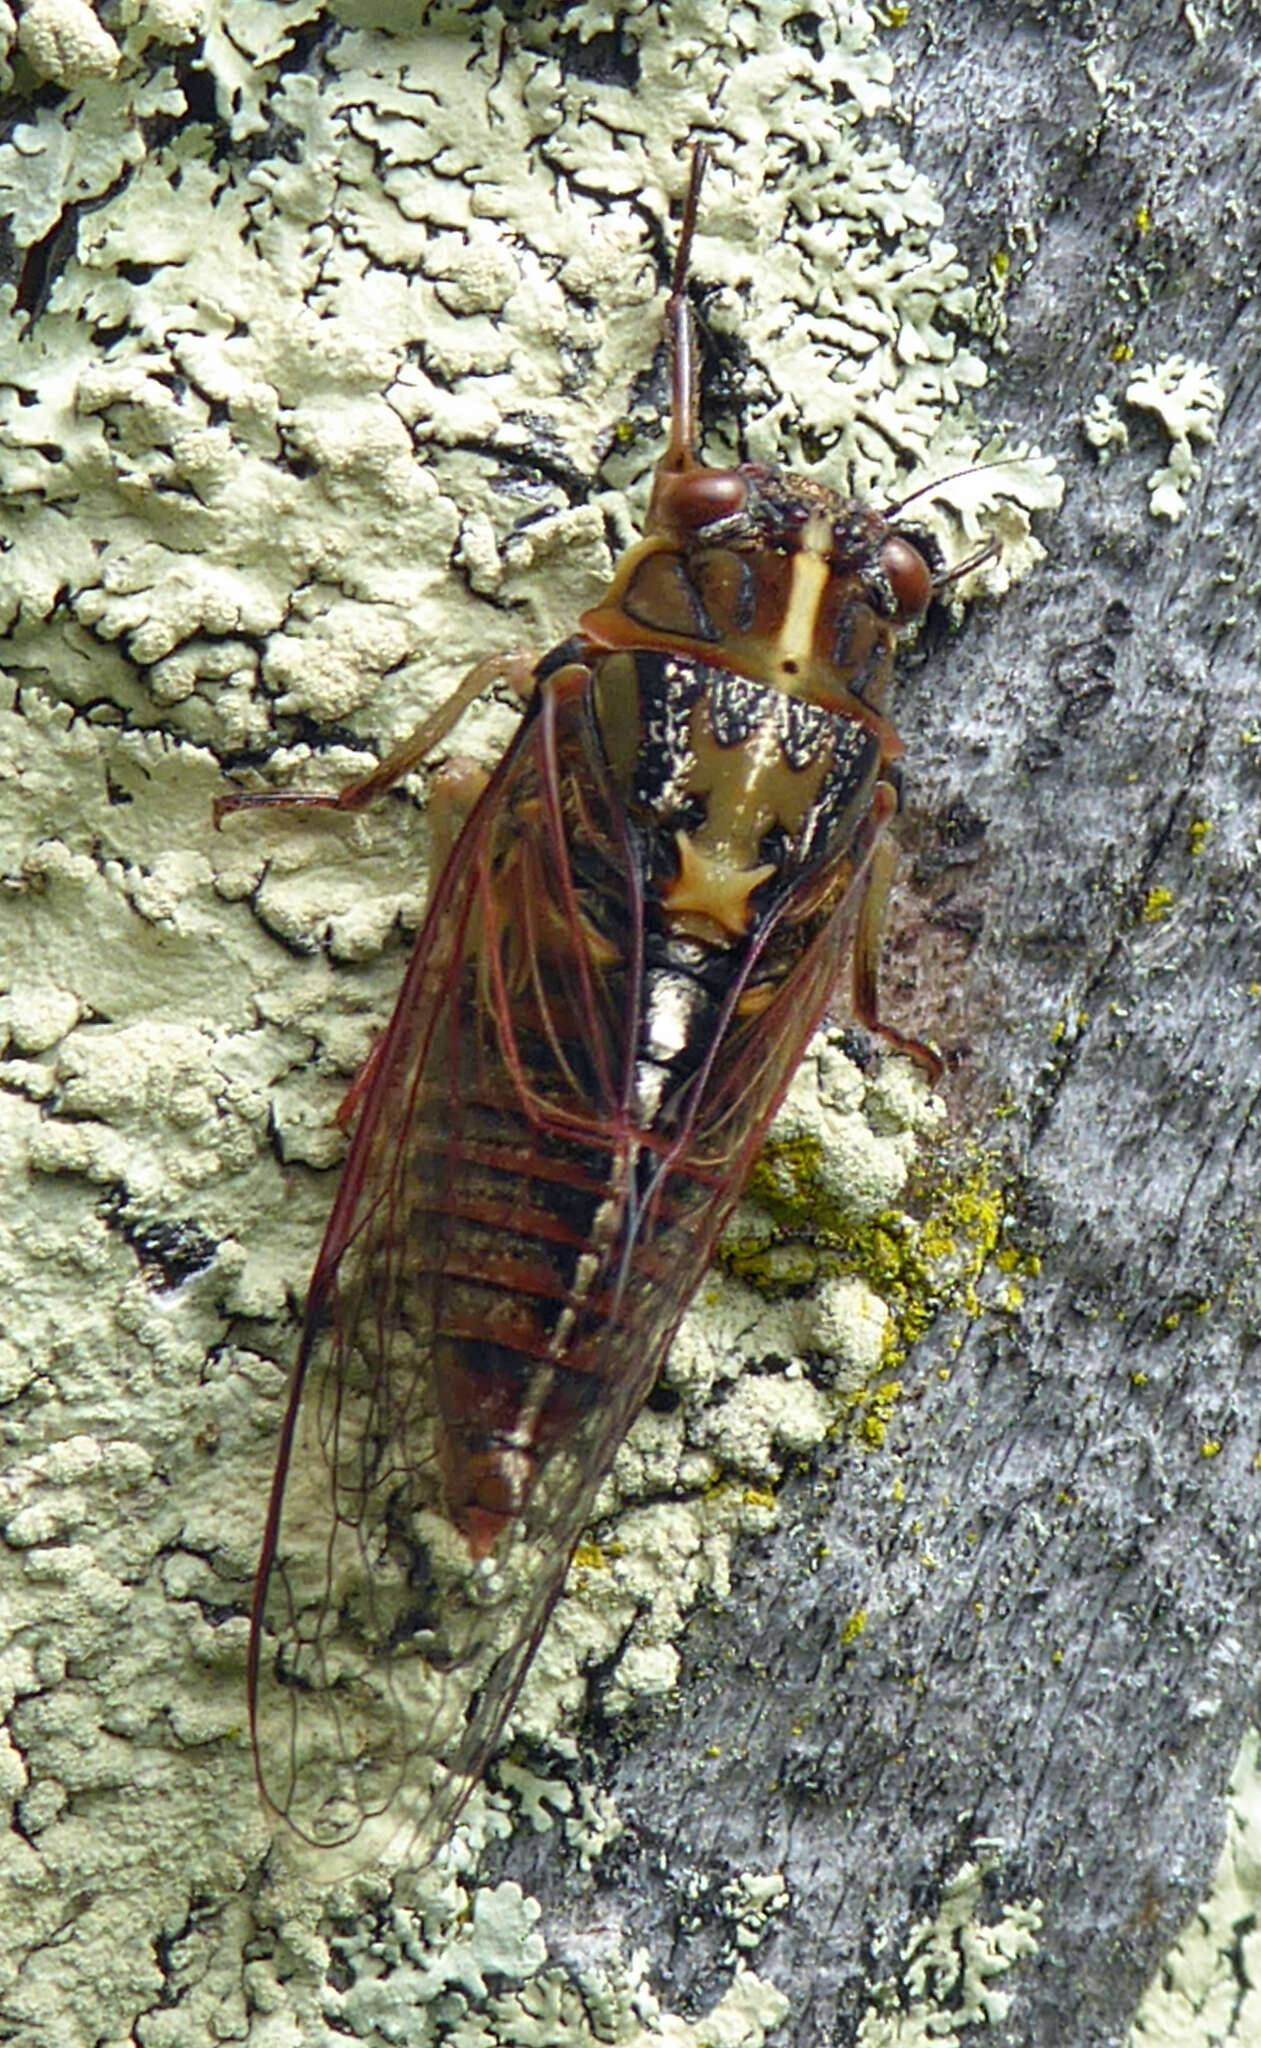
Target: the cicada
pixel 642 921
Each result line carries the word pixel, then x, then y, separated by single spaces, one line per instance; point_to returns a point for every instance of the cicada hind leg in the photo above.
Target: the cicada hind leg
pixel 867 944
pixel 516 669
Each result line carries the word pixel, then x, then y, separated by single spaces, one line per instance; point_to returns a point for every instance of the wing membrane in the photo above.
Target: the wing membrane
pixel 500 1194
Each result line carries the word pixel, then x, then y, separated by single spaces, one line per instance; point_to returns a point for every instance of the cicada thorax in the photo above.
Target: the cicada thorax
pixel 663 876
pixel 751 637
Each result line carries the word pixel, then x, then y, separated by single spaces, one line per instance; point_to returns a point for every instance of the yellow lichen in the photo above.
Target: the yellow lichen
pixel 917 1260
pixel 1010 1258
pixel 1157 905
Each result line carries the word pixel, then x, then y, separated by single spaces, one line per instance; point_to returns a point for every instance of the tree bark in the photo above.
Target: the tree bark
pixel 1013 1631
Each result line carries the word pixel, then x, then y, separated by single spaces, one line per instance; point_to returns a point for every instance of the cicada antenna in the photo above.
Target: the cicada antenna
pixel 680 339
pixel 935 484
pixel 992 547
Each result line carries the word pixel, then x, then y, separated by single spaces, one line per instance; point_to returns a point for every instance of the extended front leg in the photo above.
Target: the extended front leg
pixel 515 669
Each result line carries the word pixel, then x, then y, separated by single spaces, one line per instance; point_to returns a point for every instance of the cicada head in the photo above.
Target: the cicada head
pixel 799 588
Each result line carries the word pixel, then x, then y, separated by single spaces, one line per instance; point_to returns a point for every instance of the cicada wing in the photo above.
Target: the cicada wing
pixel 499 1195
pixel 383 1657
pixel 390 1660
pixel 346 1705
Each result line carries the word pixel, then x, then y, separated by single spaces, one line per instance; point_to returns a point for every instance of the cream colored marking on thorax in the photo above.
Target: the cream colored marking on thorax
pixel 809 579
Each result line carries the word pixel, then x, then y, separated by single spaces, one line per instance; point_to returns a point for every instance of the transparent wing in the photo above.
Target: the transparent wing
pixel 500 1202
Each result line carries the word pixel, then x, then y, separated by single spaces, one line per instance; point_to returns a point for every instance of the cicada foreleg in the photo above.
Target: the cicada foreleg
pixel 868 939
pixel 516 669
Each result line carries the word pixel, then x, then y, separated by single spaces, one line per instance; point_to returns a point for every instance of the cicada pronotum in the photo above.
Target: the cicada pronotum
pixel 637 930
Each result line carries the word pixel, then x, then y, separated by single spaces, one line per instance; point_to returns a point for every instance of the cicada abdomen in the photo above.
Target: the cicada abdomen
pixel 640 925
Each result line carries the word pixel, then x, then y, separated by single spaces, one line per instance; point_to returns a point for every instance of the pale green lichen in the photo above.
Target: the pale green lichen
pixel 1206 1992
pixel 1187 398
pixel 750 1902
pixel 442 1959
pixel 1104 428
pixel 261 456
pixel 64 42
pixel 946 1977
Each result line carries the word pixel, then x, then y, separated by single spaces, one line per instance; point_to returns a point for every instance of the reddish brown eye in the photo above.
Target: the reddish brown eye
pixel 693 499
pixel 908 576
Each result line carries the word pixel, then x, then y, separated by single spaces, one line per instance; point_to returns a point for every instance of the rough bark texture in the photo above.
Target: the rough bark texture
pixel 1062 1606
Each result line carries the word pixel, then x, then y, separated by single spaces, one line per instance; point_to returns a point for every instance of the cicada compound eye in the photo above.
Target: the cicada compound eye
pixel 692 499
pixel 908 576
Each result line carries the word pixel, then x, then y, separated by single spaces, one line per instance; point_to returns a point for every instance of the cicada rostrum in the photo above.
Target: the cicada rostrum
pixel 642 921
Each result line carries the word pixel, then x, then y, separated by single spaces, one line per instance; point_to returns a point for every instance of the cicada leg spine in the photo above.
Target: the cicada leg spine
pixel 516 669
